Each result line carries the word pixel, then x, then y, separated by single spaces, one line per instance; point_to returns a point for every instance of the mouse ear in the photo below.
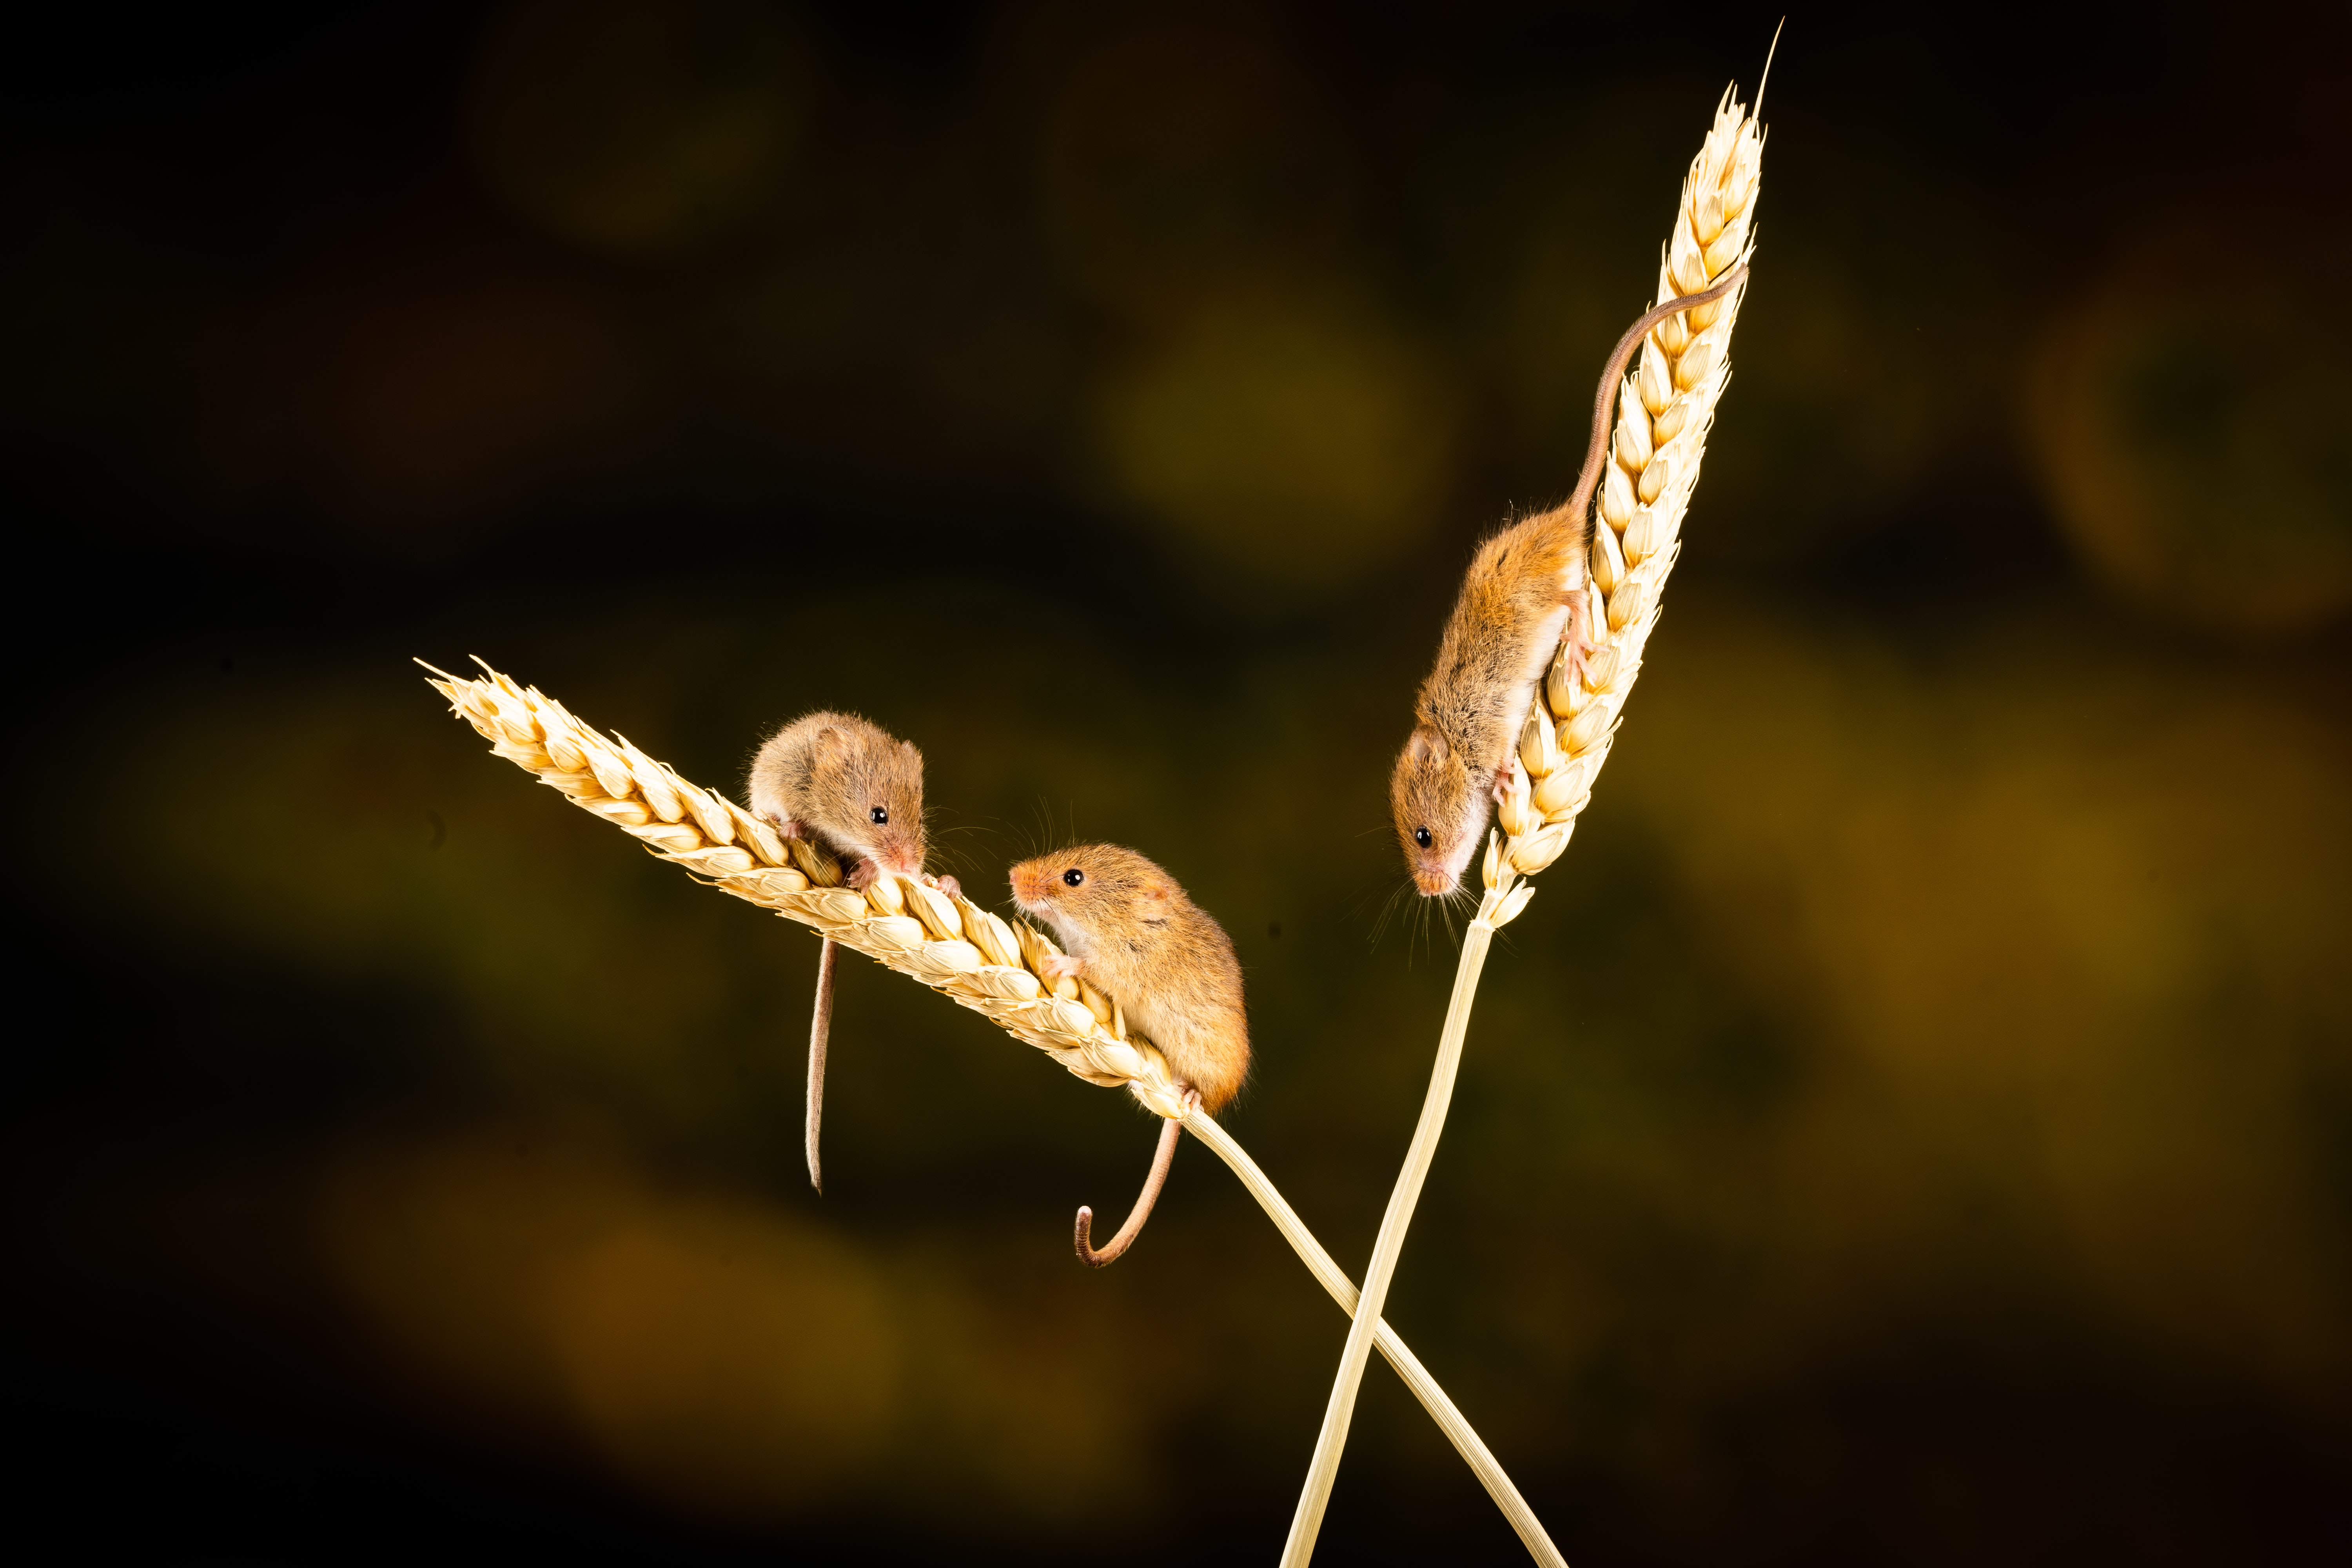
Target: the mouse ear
pixel 1427 745
pixel 826 740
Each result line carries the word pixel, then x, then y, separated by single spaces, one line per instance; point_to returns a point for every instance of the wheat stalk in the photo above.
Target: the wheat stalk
pixel 1665 408
pixel 943 940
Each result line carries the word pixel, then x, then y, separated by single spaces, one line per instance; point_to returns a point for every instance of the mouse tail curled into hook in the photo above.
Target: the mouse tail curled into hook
pixel 1084 1235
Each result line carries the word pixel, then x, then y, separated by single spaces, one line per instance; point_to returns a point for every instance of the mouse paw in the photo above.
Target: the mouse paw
pixel 1578 646
pixel 1062 966
pixel 949 886
pixel 787 826
pixel 1506 776
pixel 861 876
pixel 1580 656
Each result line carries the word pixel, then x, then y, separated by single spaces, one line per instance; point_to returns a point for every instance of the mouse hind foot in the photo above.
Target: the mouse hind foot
pixel 1575 637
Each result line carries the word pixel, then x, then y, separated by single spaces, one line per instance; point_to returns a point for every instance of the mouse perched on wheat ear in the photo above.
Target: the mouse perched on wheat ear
pixel 855 792
pixel 1130 930
pixel 1523 597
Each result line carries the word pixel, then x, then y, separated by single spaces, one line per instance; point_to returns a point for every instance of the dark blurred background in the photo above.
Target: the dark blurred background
pixel 1913 1124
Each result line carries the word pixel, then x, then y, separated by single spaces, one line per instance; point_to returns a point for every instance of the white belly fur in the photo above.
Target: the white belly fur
pixel 1542 647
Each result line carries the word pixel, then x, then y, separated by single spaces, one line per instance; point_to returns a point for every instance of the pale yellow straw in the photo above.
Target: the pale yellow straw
pixel 945 941
pixel 1665 408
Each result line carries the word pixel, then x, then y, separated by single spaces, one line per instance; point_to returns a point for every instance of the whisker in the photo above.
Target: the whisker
pixel 1387 911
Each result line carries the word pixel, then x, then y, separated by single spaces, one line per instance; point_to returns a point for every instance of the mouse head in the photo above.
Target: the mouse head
pixel 1438 812
pixel 1094 889
pixel 869 793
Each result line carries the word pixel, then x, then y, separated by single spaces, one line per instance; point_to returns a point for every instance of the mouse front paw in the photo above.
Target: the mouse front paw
pixel 948 885
pixel 1061 966
pixel 1506 777
pixel 861 876
pixel 787 826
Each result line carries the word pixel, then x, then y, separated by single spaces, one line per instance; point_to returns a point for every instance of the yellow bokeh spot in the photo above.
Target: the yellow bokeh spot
pixel 717 1356
pixel 1290 440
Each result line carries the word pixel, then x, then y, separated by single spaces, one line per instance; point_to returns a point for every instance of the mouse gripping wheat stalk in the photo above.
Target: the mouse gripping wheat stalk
pixel 1665 409
pixel 947 941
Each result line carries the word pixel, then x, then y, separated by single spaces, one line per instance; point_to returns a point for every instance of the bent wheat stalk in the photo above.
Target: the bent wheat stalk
pixel 1664 410
pixel 943 940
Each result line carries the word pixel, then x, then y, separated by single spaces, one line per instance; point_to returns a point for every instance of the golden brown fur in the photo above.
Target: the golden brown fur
pixel 824 776
pixel 1129 929
pixel 1525 592
pixel 1512 610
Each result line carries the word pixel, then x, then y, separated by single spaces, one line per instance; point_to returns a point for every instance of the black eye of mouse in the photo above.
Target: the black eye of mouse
pixel 881 816
pixel 1073 877
pixel 1420 836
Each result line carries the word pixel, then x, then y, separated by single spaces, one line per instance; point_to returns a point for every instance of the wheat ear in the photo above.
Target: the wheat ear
pixel 945 941
pixel 1665 409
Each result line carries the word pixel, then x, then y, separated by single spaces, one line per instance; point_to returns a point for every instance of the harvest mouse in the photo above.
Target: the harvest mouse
pixel 1129 929
pixel 1522 597
pixel 854 792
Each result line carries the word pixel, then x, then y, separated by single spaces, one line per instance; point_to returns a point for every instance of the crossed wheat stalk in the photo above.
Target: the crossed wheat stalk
pixel 948 942
pixel 1665 408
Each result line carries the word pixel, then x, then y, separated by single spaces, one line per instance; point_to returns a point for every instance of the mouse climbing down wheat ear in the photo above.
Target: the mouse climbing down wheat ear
pixel 1523 598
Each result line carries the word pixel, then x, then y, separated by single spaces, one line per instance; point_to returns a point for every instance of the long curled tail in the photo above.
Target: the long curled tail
pixel 1085 1234
pixel 1579 505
